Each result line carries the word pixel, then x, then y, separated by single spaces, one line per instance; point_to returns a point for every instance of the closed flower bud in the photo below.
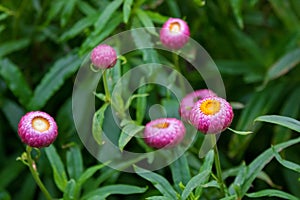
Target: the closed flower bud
pixel 175 33
pixel 103 57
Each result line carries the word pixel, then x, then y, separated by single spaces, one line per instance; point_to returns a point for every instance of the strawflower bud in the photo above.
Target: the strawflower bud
pixel 211 115
pixel 103 57
pixel 164 132
pixel 175 33
pixel 37 129
pixel 189 100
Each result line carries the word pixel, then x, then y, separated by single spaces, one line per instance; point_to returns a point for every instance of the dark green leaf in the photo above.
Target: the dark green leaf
pixel 10 171
pixel 156 17
pixel 13 113
pixel 174 8
pixel 105 191
pixel 11 46
pixel 272 193
pixel 240 132
pixel 237 10
pixel 59 173
pixel 146 21
pixel 15 81
pixel 158 181
pixel 141 102
pixel 98 123
pixel 180 171
pixel 89 173
pixel 53 80
pixel 196 181
pixel 107 14
pixel 285 163
pixel 74 162
pixel 245 178
pixel 127 10
pixel 67 12
pixel 129 131
pixel 281 120
pixel 128 103
pixel 157 198
pixel 69 190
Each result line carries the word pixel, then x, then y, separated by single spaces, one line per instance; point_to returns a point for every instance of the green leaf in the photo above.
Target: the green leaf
pixel 129 101
pixel 53 80
pixel 67 12
pixel 12 46
pixel 59 173
pixel 272 193
pixel 146 21
pixel 158 181
pixel 285 163
pixel 74 162
pixel 10 171
pixel 174 8
pixel 281 120
pixel 127 10
pixel 98 123
pixel 107 14
pixel 156 17
pixel 157 198
pixel 237 10
pixel 15 81
pixel 129 131
pixel 245 178
pixel 105 191
pixel 180 171
pixel 283 65
pixel 141 102
pixel 56 7
pixel 78 27
pixel 69 190
pixel 240 132
pixel 88 173
pixel 196 181
pixel 13 113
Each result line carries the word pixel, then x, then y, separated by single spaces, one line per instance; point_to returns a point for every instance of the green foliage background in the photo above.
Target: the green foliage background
pixel 255 44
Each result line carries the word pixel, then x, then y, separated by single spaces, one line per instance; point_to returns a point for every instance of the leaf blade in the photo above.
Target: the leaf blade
pixel 280 120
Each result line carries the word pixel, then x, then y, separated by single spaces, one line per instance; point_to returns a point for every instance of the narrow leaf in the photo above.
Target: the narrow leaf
pixel 53 80
pixel 69 190
pixel 15 81
pixel 74 162
pixel 89 173
pixel 12 46
pixel 158 181
pixel 67 12
pixel 240 132
pixel 129 131
pixel 196 181
pixel 141 103
pixel 281 120
pixel 284 65
pixel 13 112
pixel 180 171
pixel 105 191
pixel 146 21
pixel 59 173
pixel 128 103
pixel 98 123
pixel 272 193
pixel 237 10
pixel 285 163
pixel 127 10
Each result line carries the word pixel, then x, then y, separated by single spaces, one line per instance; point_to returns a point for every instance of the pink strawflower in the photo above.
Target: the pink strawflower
pixel 164 132
pixel 211 115
pixel 189 100
pixel 103 56
pixel 175 33
pixel 37 129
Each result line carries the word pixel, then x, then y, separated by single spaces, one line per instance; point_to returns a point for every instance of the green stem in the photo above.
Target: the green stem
pixel 176 66
pixel 107 94
pixel 35 174
pixel 219 170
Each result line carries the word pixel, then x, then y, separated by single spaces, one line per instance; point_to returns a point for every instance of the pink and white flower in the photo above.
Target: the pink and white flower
pixel 103 56
pixel 37 129
pixel 164 132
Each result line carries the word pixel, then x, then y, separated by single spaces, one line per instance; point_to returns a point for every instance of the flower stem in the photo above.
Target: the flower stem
pixel 219 170
pixel 107 94
pixel 35 174
pixel 176 66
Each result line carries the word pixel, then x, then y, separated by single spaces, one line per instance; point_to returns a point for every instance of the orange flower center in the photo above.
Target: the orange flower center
pixel 210 107
pixel 162 125
pixel 174 27
pixel 40 124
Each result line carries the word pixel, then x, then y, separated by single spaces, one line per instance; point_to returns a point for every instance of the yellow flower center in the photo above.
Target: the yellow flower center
pixel 40 124
pixel 162 125
pixel 174 27
pixel 210 107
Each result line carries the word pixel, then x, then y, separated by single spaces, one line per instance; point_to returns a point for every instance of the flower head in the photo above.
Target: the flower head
pixel 103 56
pixel 164 132
pixel 189 100
pixel 37 129
pixel 174 33
pixel 211 115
